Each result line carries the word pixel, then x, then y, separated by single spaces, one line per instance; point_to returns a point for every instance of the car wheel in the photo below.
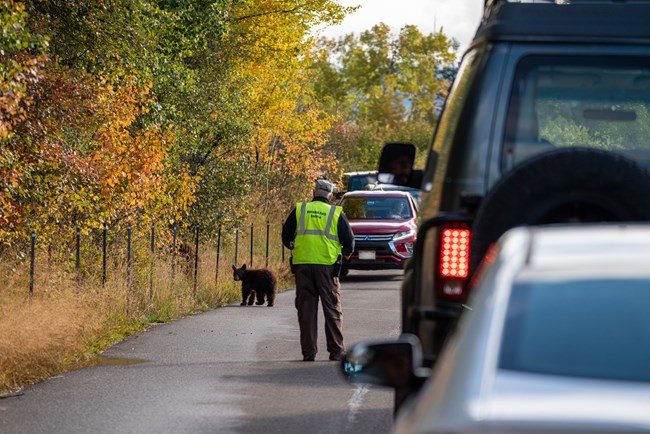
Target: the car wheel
pixel 569 185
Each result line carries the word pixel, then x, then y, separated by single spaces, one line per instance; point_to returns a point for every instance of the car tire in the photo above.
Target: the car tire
pixel 562 186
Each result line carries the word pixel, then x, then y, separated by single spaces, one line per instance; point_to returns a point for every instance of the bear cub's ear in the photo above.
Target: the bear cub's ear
pixel 243 267
pixel 233 267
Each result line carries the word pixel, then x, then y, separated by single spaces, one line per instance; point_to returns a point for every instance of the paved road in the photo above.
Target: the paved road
pixel 231 370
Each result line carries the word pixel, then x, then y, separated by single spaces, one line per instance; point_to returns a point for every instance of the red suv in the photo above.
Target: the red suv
pixel 384 227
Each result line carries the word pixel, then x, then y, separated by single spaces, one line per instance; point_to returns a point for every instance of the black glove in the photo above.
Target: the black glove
pixel 336 271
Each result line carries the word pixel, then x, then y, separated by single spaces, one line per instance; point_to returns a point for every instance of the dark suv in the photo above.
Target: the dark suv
pixel 548 121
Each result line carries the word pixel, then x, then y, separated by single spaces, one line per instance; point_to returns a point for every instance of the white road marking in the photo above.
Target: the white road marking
pixel 354 404
pixel 360 391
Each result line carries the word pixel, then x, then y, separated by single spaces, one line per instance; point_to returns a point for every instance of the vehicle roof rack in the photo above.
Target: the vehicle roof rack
pixel 570 21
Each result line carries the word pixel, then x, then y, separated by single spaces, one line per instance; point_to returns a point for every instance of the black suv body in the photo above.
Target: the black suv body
pixel 548 121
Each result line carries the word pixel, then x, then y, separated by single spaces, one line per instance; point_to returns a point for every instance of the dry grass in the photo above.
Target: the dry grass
pixel 68 321
pixel 45 335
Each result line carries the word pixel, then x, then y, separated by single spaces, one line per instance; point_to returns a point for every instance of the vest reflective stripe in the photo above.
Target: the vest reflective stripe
pixel 317 240
pixel 328 226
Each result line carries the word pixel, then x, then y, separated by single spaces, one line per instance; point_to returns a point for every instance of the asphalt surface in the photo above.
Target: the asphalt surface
pixel 230 370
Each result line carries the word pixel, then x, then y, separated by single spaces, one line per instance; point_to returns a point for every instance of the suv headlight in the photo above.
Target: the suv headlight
pixel 405 234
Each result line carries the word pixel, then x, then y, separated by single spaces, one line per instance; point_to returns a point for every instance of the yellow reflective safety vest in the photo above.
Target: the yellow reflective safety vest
pixel 317 235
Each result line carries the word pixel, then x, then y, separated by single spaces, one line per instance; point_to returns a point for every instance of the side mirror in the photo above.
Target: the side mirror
pixel 396 164
pixel 386 363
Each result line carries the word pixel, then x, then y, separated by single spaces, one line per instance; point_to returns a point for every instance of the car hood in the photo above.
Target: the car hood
pixel 381 226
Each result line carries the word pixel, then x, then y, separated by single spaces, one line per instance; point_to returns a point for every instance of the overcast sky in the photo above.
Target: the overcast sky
pixel 457 18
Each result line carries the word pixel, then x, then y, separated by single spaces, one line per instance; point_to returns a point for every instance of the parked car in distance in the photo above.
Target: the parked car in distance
pixel 383 223
pixel 353 181
pixel 554 339
pixel 415 192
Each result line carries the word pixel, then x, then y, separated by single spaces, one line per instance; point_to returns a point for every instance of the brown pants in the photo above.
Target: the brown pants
pixel 314 282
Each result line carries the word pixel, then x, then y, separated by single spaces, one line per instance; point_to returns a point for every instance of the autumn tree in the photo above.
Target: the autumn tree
pixel 22 56
pixel 228 77
pixel 188 111
pixel 383 87
pixel 266 135
pixel 83 146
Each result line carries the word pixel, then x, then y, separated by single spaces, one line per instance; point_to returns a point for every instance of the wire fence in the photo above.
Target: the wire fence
pixel 141 251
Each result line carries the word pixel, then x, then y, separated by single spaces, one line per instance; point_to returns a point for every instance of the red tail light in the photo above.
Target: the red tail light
pixel 454 252
pixel 453 265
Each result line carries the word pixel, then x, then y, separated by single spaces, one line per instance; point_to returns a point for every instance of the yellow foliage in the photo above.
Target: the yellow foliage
pixel 291 130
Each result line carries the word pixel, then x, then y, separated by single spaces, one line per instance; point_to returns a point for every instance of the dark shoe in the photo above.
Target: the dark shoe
pixel 337 357
pixel 308 358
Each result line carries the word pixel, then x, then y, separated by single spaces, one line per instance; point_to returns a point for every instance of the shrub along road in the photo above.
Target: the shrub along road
pixel 231 370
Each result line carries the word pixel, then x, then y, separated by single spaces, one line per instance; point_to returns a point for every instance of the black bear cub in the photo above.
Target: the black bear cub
pixel 256 283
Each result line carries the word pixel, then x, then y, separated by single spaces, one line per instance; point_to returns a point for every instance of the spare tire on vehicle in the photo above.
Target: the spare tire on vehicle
pixel 569 185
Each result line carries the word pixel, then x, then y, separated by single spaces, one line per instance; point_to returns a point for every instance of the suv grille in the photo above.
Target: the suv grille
pixel 383 237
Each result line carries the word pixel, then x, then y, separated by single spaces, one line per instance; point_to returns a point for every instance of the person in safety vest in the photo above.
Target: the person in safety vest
pixel 318 233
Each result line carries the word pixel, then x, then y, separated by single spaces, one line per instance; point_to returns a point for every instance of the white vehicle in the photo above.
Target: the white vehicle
pixel 415 192
pixel 555 339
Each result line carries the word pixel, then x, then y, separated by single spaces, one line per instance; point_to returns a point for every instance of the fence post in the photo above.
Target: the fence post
pixel 104 254
pixel 153 259
pixel 32 259
pixel 196 258
pixel 78 253
pixel 216 275
pixel 128 257
pixel 173 251
pixel 268 227
pixel 236 245
pixel 252 227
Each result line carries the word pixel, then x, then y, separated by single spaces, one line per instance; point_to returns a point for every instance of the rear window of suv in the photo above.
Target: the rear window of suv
pixel 594 101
